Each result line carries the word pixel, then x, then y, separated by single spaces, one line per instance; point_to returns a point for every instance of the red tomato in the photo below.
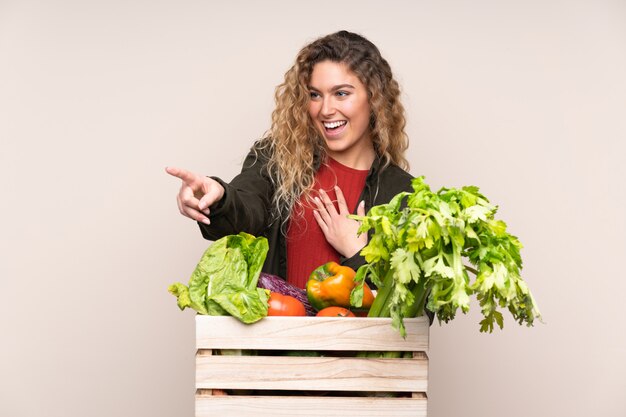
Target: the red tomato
pixel 335 312
pixel 284 305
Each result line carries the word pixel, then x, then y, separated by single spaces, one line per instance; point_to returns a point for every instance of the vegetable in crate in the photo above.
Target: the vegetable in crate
pixel 277 284
pixel 335 312
pixel 285 305
pixel 331 284
pixel 415 257
pixel 225 280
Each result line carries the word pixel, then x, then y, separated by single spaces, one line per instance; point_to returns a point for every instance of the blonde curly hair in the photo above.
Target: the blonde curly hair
pixel 293 143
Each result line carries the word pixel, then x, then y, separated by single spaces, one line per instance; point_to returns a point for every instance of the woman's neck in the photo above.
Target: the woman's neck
pixel 361 159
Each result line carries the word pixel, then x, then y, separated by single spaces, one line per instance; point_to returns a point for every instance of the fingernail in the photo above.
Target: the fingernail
pixel 206 221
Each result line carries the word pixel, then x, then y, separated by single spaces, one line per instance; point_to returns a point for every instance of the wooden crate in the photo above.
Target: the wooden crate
pixel 271 383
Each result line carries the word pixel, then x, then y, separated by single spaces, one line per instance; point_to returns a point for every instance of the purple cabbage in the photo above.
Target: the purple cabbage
pixel 277 284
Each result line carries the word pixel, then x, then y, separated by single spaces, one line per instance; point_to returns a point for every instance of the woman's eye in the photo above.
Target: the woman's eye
pixel 342 93
pixel 314 94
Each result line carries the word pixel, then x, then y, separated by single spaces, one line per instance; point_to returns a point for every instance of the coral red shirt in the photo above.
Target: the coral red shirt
pixel 307 247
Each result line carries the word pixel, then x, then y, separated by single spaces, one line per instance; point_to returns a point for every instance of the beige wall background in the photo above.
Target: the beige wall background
pixel 526 99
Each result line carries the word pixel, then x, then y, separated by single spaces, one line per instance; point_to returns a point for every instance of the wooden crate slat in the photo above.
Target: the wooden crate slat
pixel 310 373
pixel 311 333
pixel 282 385
pixel 303 406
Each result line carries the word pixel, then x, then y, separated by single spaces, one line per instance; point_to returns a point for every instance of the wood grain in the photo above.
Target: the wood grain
pixel 311 373
pixel 306 406
pixel 270 383
pixel 311 333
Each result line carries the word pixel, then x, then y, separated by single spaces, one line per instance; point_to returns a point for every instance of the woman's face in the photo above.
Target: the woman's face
pixel 340 110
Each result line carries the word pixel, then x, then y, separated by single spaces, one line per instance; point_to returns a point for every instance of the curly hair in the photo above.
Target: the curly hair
pixel 294 143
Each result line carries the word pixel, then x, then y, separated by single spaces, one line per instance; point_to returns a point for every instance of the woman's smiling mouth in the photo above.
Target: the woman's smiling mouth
pixel 334 128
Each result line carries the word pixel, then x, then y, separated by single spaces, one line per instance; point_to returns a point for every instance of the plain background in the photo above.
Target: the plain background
pixel 525 99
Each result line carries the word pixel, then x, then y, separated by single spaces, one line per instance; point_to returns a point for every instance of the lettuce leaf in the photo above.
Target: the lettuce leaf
pixel 224 281
pixel 247 305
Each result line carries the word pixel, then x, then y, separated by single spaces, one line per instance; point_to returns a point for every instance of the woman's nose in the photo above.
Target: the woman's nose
pixel 328 106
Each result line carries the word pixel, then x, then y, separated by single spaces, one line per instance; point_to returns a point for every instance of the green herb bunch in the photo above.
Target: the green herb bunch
pixel 416 257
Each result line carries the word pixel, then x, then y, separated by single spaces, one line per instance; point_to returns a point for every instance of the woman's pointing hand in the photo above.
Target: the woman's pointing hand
pixel 197 193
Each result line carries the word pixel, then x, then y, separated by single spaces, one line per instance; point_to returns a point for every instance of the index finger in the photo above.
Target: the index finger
pixel 187 176
pixel 341 201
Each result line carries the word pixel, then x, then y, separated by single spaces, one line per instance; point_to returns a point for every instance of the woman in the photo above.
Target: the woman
pixel 336 146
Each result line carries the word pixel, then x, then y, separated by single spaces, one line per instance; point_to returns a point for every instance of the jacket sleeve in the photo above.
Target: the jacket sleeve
pixel 245 206
pixel 354 262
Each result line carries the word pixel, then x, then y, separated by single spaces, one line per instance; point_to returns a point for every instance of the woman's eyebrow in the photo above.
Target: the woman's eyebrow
pixel 335 88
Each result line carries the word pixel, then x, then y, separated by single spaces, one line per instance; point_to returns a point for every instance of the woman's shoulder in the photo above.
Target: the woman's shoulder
pixel 393 174
pixel 259 153
pixel 389 181
pixel 261 147
pixel 393 170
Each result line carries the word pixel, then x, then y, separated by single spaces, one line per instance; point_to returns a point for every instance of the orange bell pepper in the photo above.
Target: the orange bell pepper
pixel 331 284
